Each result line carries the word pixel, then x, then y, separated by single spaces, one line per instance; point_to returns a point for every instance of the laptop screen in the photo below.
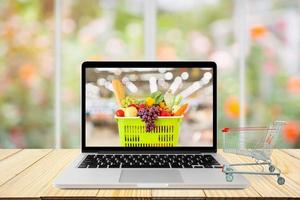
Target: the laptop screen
pixel 148 107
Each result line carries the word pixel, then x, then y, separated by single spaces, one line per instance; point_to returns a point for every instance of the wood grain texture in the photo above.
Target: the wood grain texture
pixel 30 173
pixel 267 186
pixel 288 164
pixel 49 190
pixel 36 180
pixel 292 152
pixel 231 193
pixel 138 193
pixel 17 163
pixel 4 153
pixel 172 193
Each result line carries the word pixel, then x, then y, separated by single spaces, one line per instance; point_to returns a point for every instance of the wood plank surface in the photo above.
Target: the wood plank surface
pixel 65 156
pixel 30 173
pixel 36 181
pixel 17 163
pixel 292 152
pixel 288 164
pixel 267 186
pixel 231 193
pixel 4 153
pixel 138 193
pixel 172 193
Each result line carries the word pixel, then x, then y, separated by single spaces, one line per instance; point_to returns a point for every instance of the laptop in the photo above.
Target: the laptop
pixel 148 124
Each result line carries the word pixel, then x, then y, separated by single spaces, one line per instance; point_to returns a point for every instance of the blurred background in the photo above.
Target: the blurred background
pixel 256 45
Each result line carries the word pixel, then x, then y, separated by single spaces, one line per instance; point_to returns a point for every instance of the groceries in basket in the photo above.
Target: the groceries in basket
pixel 152 121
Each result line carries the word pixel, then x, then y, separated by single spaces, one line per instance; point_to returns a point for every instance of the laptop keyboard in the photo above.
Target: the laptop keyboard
pixel 149 161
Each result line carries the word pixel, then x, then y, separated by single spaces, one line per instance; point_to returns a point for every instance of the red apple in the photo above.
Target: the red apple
pixel 120 113
pixel 134 105
pixel 165 113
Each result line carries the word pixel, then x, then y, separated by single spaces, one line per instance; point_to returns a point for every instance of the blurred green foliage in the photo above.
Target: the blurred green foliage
pixel 112 30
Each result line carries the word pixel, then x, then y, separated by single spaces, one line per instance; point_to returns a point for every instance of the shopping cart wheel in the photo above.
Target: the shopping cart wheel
pixel 229 177
pixel 229 169
pixel 280 180
pixel 271 168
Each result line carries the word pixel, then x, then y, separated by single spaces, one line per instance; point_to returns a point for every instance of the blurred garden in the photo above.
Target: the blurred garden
pixel 114 30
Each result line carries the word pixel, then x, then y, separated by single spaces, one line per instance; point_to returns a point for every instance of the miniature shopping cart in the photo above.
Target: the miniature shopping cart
pixel 259 146
pixel 132 132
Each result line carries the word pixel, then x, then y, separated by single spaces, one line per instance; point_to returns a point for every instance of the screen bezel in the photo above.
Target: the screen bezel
pixel 148 64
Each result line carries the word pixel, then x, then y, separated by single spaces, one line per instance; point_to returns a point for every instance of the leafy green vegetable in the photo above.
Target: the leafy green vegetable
pixel 177 100
pixel 140 101
pixel 169 98
pixel 127 101
pixel 157 96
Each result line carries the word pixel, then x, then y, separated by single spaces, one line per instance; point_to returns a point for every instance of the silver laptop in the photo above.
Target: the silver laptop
pixel 148 125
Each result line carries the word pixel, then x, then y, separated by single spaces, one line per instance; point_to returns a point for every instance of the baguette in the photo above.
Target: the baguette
pixel 119 91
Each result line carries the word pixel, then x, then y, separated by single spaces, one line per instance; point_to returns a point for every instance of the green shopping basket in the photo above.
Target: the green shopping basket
pixel 132 132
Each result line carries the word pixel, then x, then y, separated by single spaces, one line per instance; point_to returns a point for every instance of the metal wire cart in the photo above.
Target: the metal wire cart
pixel 261 141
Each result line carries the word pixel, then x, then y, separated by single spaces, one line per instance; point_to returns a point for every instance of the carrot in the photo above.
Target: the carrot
pixel 118 91
pixel 181 110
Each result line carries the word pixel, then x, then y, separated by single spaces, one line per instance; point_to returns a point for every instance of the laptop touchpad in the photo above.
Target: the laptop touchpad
pixel 150 176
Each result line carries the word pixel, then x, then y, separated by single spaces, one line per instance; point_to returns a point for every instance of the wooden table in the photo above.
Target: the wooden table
pixel 29 173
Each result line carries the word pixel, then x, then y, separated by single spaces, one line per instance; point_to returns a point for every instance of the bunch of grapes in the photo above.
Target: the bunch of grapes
pixel 149 115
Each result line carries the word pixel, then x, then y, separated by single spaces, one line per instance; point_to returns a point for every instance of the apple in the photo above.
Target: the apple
pixel 134 105
pixel 164 113
pixel 131 112
pixel 120 113
pixel 142 106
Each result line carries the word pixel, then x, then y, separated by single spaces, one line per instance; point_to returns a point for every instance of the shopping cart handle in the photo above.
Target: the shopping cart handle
pixel 225 130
